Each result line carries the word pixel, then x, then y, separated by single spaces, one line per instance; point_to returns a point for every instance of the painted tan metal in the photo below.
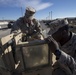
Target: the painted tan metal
pixel 53 59
pixel 6 54
pixel 18 66
pixel 5 39
pixel 38 71
pixel 31 43
pixel 19 60
pixel 17 38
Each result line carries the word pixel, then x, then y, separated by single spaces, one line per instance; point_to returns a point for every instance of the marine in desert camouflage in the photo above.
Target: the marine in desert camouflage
pixel 28 25
pixel 66 55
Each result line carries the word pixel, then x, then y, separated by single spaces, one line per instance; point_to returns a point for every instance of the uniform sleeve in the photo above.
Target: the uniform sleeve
pixel 15 28
pixel 38 27
pixel 67 60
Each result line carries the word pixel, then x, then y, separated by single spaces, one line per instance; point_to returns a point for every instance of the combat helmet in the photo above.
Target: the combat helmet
pixel 30 10
pixel 55 25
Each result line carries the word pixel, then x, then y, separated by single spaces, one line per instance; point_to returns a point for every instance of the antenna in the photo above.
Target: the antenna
pixel 21 9
pixel 51 15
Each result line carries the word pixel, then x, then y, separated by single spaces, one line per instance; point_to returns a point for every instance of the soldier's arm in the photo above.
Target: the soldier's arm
pixel 15 28
pixel 38 26
pixel 67 60
pixel 61 56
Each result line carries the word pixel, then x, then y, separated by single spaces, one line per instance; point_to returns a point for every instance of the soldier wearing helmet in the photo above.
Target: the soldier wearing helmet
pixel 63 45
pixel 28 25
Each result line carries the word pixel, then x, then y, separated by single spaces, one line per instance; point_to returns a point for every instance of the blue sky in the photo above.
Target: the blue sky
pixel 11 9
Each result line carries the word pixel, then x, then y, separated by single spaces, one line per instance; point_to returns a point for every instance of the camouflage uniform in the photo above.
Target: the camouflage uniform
pixel 55 25
pixel 67 61
pixel 66 64
pixel 28 25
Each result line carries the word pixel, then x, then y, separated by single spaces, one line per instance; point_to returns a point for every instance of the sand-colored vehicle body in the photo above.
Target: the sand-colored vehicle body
pixel 24 58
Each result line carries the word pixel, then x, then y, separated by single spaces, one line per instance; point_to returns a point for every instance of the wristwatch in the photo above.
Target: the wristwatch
pixel 57 53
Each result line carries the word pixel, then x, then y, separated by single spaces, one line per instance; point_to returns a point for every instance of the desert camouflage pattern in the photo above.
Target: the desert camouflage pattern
pixel 55 25
pixel 30 9
pixel 28 25
pixel 66 65
pixel 29 28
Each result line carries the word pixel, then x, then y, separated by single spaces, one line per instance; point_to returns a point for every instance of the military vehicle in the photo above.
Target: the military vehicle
pixel 10 24
pixel 24 58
